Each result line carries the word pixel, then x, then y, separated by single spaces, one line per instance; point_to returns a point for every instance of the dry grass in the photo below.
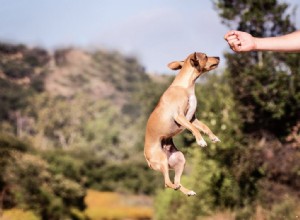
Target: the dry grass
pixel 18 214
pixel 110 205
pixel 220 216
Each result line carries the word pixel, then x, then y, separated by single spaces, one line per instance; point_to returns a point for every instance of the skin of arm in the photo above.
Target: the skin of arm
pixel 242 42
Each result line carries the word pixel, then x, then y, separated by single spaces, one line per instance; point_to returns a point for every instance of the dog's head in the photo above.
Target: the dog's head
pixel 200 61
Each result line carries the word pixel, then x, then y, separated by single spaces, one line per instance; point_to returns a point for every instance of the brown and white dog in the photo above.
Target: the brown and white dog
pixel 174 113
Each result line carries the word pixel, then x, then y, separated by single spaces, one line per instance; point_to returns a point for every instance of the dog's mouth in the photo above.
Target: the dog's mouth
pixel 213 66
pixel 213 62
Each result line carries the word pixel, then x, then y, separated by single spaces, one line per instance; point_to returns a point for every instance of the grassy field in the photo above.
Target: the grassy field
pixel 18 214
pixel 110 205
pixel 100 205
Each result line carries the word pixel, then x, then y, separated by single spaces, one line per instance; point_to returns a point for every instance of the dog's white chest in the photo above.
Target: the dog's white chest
pixel 191 107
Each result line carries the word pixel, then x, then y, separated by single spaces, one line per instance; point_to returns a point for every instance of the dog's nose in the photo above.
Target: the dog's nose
pixel 218 58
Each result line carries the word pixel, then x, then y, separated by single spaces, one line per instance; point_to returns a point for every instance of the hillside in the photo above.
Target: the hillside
pixel 73 120
pixel 67 72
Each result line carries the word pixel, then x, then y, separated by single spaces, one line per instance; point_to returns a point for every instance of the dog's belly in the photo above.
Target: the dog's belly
pixel 163 127
pixel 173 129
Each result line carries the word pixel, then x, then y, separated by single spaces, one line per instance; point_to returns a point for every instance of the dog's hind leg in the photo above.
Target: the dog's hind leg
pixel 165 171
pixel 176 161
pixel 157 159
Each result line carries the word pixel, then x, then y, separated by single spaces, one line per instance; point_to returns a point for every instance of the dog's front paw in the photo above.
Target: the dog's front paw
pixel 215 139
pixel 191 193
pixel 202 143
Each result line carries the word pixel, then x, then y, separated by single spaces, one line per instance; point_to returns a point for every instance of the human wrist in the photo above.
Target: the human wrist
pixel 256 44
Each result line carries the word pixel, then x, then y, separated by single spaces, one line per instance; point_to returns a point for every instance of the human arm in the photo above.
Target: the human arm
pixel 242 42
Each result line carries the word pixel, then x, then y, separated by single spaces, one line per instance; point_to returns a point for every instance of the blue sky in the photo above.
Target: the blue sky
pixel 156 31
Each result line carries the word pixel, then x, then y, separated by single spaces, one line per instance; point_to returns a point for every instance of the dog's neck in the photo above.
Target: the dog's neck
pixel 186 78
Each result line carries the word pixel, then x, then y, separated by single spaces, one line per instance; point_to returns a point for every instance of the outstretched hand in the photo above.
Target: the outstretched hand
pixel 240 41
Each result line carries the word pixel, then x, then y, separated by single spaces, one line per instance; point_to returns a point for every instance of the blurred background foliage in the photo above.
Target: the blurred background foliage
pixel 254 171
pixel 72 125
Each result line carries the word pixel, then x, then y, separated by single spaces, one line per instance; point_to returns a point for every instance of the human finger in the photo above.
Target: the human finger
pixel 236 46
pixel 234 41
pixel 231 38
pixel 229 33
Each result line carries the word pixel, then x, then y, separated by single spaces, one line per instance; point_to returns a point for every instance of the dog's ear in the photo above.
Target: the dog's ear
pixel 194 60
pixel 194 63
pixel 176 65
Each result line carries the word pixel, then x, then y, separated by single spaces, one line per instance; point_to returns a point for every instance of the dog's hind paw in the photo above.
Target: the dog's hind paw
pixel 202 143
pixel 191 193
pixel 177 187
pixel 215 139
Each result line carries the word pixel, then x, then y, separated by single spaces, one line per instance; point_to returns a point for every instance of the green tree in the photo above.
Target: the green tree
pixel 266 88
pixel 27 182
pixel 265 84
